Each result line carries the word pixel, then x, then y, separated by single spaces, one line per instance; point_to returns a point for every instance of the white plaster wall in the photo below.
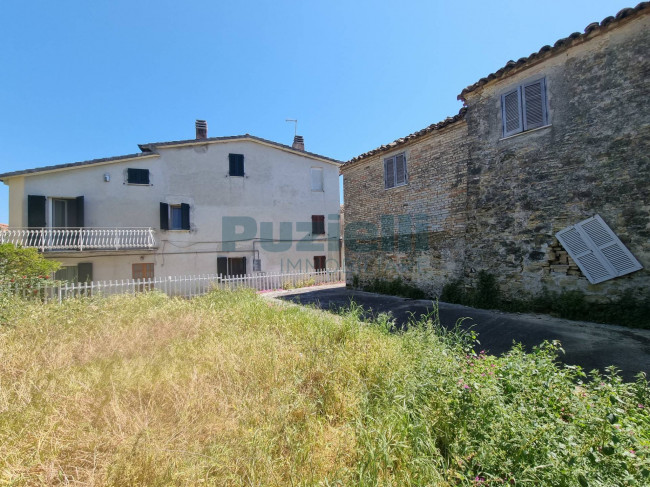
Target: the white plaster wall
pixel 277 187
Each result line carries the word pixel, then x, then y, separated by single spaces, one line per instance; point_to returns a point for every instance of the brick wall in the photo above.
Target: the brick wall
pixel 430 250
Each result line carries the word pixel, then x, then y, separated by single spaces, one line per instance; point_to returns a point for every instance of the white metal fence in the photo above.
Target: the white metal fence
pixel 80 238
pixel 182 286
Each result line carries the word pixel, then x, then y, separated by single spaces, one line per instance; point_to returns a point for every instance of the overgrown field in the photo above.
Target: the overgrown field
pixel 233 389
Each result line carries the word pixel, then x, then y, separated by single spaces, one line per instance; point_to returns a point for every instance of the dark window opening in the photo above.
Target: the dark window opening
pixel 137 176
pixel 231 266
pixel 236 162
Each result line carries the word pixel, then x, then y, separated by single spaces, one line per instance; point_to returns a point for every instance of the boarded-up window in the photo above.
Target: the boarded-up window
pixel 597 250
pixel 316 179
pixel 524 108
pixel 395 173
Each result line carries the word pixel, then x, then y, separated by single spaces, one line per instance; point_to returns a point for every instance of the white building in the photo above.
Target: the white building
pixel 230 205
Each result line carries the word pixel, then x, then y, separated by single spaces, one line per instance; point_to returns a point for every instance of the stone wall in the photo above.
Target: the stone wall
pixel 594 158
pixel 495 203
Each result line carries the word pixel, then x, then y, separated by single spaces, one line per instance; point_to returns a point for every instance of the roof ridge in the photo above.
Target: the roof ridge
pixel 559 45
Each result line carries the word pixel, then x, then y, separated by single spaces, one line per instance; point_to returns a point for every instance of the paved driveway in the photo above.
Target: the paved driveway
pixel 590 345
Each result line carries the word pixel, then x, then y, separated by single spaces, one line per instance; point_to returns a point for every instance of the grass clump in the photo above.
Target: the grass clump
pixel 630 309
pixel 233 389
pixel 395 287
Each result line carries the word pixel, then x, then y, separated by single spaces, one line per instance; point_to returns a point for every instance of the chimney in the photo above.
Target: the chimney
pixel 298 142
pixel 201 129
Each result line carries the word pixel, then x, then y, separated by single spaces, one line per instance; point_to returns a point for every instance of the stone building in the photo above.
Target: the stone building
pixel 542 144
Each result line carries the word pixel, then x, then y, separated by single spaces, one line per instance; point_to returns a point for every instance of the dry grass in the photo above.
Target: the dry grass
pixel 231 389
pixel 146 390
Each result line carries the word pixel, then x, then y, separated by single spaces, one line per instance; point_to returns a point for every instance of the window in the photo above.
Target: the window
pixel 174 217
pixel 318 224
pixel 82 272
pixel 142 272
pixel 524 108
pixel 231 266
pixel 61 213
pixel 319 262
pixel 137 176
pixel 316 179
pixel 236 165
pixel 395 171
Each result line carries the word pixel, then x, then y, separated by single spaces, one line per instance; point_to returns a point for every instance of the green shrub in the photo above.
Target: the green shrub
pixel 18 262
pixel 396 287
pixel 631 309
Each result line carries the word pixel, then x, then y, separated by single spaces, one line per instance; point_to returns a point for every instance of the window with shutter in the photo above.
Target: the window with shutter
pixel 137 176
pixel 524 108
pixel 319 262
pixel 174 217
pixel 597 250
pixel 236 165
pixel 395 173
pixel 318 224
pixel 316 179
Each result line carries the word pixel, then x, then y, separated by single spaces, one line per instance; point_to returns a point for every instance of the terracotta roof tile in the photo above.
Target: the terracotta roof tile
pixel 557 47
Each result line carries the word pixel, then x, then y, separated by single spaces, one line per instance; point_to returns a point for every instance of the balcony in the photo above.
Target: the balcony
pixel 80 239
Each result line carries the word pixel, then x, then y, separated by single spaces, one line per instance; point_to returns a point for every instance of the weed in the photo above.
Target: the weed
pixel 396 287
pixel 230 389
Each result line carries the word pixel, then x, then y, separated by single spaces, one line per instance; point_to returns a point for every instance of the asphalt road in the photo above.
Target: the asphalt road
pixel 590 345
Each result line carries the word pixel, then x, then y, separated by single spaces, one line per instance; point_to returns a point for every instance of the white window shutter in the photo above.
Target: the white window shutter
pixel 534 104
pixel 316 179
pixel 511 112
pixel 400 169
pixel 597 250
pixel 389 172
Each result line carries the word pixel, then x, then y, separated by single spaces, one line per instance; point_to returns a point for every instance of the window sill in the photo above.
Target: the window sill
pixel 396 186
pixel 525 132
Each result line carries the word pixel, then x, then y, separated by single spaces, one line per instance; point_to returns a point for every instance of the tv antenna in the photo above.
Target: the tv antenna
pixel 295 125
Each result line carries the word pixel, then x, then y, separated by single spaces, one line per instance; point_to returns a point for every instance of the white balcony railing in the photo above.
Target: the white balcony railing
pixel 79 239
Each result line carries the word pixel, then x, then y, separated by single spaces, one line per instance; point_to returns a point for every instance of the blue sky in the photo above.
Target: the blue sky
pixel 81 80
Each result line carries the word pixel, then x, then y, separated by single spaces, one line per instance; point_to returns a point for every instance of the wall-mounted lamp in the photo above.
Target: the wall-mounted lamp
pixel 107 177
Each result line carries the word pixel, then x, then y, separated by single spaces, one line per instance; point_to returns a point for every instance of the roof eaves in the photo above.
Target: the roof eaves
pixel 155 145
pixel 71 165
pixel 560 45
pixel 396 143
